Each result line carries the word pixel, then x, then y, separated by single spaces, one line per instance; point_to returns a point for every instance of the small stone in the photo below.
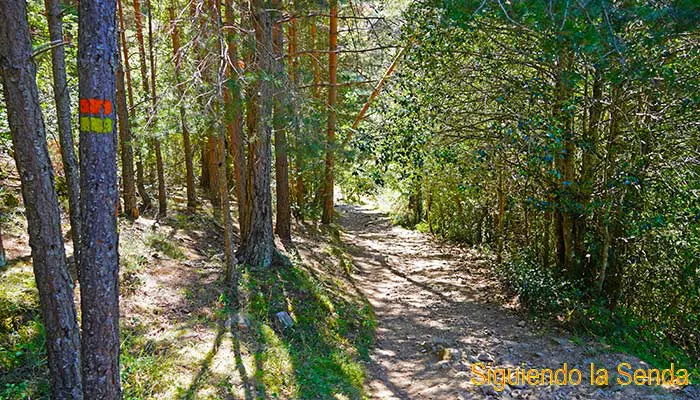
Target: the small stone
pixel 284 319
pixel 240 321
pixel 485 357
pixel 449 354
pixel 488 390
pixel 560 341
pixel 521 323
pixel 461 375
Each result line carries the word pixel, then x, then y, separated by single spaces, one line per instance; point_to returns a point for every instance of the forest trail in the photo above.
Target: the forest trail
pixel 439 311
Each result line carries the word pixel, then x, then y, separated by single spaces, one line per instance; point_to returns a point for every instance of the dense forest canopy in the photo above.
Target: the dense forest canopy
pixel 560 139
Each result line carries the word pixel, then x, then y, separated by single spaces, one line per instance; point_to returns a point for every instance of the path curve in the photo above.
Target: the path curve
pixel 439 311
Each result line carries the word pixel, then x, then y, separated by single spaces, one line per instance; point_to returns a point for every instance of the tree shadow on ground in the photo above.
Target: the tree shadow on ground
pixel 322 354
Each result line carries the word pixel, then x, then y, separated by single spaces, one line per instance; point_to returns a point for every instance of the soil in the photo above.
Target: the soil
pixel 440 311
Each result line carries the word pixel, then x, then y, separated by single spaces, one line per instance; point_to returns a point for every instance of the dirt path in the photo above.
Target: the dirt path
pixel 439 311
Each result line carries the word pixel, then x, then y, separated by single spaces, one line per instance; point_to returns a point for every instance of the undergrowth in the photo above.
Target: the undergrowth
pixel 546 294
pixel 322 355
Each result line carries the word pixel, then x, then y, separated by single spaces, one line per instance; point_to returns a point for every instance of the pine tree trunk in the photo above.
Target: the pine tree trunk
pixel 259 245
pixel 298 166
pixel 162 197
pixel 26 123
pixel 140 178
pixel 99 286
pixel 221 166
pixel 283 220
pixel 138 18
pixel 189 169
pixel 232 100
pixel 65 134
pixel 328 190
pixel 127 67
pixel 212 159
pixel 128 183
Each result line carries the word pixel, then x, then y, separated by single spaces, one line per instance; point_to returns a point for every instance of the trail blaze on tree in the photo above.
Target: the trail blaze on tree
pixel 558 139
pixel 99 286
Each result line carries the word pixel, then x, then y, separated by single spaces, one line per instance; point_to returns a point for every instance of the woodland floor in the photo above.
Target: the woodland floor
pixel 437 307
pixel 429 296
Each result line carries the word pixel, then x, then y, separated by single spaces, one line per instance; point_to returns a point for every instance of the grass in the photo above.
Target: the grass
pixel 321 356
pixel 546 295
pixel 162 243
pixel 22 338
pixel 145 363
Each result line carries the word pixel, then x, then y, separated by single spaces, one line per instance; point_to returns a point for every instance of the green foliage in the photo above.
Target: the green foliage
pixel 144 362
pixel 22 336
pixel 540 290
pixel 321 355
pixel 546 294
pixel 165 245
pixel 495 105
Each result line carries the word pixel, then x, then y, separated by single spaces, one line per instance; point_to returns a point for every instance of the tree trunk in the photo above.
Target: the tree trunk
pixel 588 161
pixel 328 190
pixel 138 18
pixel 145 198
pixel 65 134
pixel 607 272
pixel 283 221
pixel 212 160
pixel 99 286
pixel 41 204
pixel 500 213
pixel 143 193
pixel 162 203
pixel 259 245
pixel 564 165
pixel 298 173
pixel 234 125
pixel 189 168
pixel 315 62
pixel 127 66
pixel 546 240
pixel 3 256
pixel 128 183
pixel 229 251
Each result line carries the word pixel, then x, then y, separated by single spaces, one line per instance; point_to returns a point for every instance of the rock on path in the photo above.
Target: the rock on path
pixel 440 311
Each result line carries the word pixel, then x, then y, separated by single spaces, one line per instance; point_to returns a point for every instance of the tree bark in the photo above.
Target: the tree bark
pixel 500 214
pixel 3 256
pixel 234 126
pixel 221 166
pixel 162 197
pixel 298 166
pixel 127 67
pixel 26 123
pixel 143 193
pixel 138 18
pixel 65 134
pixel 588 161
pixel 283 220
pixel 128 183
pixel 99 286
pixel 328 190
pixel 189 168
pixel 259 245
pixel 564 165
